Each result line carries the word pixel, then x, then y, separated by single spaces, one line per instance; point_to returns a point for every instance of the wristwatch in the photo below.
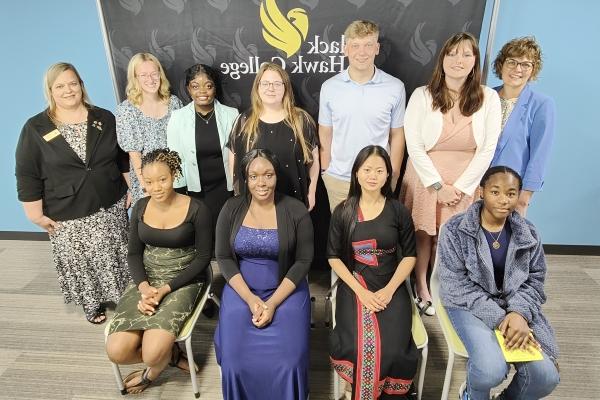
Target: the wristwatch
pixel 437 186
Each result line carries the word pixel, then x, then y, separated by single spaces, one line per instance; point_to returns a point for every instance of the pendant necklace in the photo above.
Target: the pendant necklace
pixel 496 243
pixel 206 120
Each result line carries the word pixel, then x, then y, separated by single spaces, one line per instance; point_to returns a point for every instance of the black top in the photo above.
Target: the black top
pixel 48 169
pixel 279 138
pixel 499 254
pixel 208 154
pixel 294 232
pixel 380 243
pixel 195 230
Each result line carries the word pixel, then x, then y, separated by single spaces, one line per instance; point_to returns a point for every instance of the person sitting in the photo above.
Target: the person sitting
pixel 264 248
pixel 491 272
pixel 170 246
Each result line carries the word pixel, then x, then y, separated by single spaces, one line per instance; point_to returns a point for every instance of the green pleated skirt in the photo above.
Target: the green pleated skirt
pixel 162 265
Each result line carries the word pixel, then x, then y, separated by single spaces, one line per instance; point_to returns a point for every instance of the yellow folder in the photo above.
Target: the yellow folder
pixel 518 355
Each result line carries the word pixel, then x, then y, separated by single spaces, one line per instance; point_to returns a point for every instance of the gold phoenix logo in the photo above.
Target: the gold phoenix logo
pixel 285 33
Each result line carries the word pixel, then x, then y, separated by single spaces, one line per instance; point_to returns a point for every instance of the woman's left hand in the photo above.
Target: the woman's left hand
pixel 266 317
pixel 385 295
pixel 515 330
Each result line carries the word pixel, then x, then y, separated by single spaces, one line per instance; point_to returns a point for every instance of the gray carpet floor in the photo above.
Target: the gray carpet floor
pixel 49 351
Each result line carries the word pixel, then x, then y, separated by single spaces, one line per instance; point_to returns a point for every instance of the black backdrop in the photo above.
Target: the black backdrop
pixel 234 37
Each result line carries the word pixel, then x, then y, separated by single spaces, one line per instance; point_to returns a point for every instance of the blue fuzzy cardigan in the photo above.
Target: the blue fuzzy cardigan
pixel 467 277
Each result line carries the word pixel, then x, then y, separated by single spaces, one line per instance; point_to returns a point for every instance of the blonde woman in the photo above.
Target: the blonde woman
pixel 71 179
pixel 274 122
pixel 142 118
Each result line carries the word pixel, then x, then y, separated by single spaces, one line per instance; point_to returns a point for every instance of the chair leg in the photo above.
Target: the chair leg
pixel 118 378
pixel 336 385
pixel 422 367
pixel 448 376
pixel 214 299
pixel 192 365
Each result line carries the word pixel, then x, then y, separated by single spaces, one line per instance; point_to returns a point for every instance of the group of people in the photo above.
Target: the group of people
pixel 208 182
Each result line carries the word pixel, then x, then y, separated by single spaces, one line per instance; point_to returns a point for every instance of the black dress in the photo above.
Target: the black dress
pixel 374 352
pixel 279 138
pixel 210 167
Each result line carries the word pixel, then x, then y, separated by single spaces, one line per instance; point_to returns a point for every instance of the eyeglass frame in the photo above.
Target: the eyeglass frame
pixel 525 65
pixel 153 75
pixel 276 85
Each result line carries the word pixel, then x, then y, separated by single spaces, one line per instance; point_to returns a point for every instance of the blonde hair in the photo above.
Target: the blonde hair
pixel 295 117
pixel 520 47
pixel 50 76
pixel 133 89
pixel 361 28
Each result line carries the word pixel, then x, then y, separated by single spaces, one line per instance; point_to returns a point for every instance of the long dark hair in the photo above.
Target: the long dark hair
pixel 348 209
pixel 471 94
pixel 245 164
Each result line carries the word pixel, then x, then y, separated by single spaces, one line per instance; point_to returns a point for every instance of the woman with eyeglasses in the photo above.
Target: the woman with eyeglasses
pixel 274 122
pixel 451 127
pixel 199 132
pixel 142 118
pixel 527 116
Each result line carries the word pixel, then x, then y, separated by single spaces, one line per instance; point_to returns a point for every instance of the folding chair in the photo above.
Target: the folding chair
pixel 418 332
pixel 455 345
pixel 185 335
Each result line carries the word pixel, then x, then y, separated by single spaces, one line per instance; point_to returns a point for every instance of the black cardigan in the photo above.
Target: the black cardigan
pixel 48 169
pixel 294 232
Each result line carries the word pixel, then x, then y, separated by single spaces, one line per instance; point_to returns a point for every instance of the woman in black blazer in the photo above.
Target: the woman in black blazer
pixel 71 179
pixel 264 247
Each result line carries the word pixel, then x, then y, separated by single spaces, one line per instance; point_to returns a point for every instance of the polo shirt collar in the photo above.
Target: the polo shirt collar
pixel 376 78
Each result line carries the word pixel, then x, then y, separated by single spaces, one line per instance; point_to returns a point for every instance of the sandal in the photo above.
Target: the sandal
pixel 177 356
pixel 425 307
pixel 142 385
pixel 93 316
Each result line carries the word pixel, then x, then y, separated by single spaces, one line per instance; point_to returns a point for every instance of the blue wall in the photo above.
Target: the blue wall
pixel 39 33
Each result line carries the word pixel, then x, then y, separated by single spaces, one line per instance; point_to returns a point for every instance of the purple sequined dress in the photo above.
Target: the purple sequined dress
pixel 271 362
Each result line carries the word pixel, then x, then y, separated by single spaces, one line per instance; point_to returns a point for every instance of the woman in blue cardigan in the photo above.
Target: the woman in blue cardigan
pixel 492 270
pixel 527 116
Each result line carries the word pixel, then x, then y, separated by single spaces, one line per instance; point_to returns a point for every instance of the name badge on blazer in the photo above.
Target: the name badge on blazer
pixel 51 135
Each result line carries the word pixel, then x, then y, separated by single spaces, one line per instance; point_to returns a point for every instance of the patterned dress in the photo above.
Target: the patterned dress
pixel 374 352
pixel 137 132
pixel 90 253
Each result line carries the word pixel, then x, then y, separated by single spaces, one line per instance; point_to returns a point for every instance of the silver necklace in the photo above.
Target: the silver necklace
pixel 206 120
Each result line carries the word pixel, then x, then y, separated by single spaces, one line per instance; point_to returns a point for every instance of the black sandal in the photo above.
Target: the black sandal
pixel 140 387
pixel 94 315
pixel 425 307
pixel 177 355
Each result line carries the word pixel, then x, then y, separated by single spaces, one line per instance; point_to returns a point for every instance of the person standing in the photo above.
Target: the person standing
pixel 528 116
pixel 72 182
pixel 452 127
pixel 142 118
pixel 358 107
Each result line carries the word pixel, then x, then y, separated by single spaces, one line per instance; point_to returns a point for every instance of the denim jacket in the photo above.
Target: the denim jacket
pixel 466 274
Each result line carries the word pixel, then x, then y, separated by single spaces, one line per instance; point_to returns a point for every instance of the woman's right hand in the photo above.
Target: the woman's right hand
pixel 371 300
pixel 448 195
pixel 46 224
pixel 256 306
pixel 148 300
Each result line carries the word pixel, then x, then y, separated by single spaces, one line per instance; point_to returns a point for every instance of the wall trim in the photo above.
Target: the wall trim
pixel 33 236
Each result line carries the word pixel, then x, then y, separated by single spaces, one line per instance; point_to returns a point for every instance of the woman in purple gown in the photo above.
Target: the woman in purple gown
pixel 264 247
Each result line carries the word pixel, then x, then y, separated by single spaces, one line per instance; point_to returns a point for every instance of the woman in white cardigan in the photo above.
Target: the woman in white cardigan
pixel 452 127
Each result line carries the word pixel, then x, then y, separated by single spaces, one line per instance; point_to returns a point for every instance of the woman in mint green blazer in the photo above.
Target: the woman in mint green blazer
pixel 199 132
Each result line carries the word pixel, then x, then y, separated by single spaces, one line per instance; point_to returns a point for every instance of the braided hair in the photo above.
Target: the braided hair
pixel 169 157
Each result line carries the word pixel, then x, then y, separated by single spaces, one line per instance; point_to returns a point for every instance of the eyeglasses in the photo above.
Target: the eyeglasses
pixel 154 76
pixel 277 85
pixel 513 64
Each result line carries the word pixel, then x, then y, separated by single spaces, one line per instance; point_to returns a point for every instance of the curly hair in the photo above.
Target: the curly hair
pixel 169 157
pixel 520 47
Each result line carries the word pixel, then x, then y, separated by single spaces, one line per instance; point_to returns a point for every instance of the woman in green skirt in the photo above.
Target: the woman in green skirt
pixel 170 245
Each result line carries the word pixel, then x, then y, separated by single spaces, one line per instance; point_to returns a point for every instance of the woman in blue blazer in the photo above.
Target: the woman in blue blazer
pixel 527 116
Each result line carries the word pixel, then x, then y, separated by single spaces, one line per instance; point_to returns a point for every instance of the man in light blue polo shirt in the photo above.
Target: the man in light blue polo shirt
pixel 358 107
